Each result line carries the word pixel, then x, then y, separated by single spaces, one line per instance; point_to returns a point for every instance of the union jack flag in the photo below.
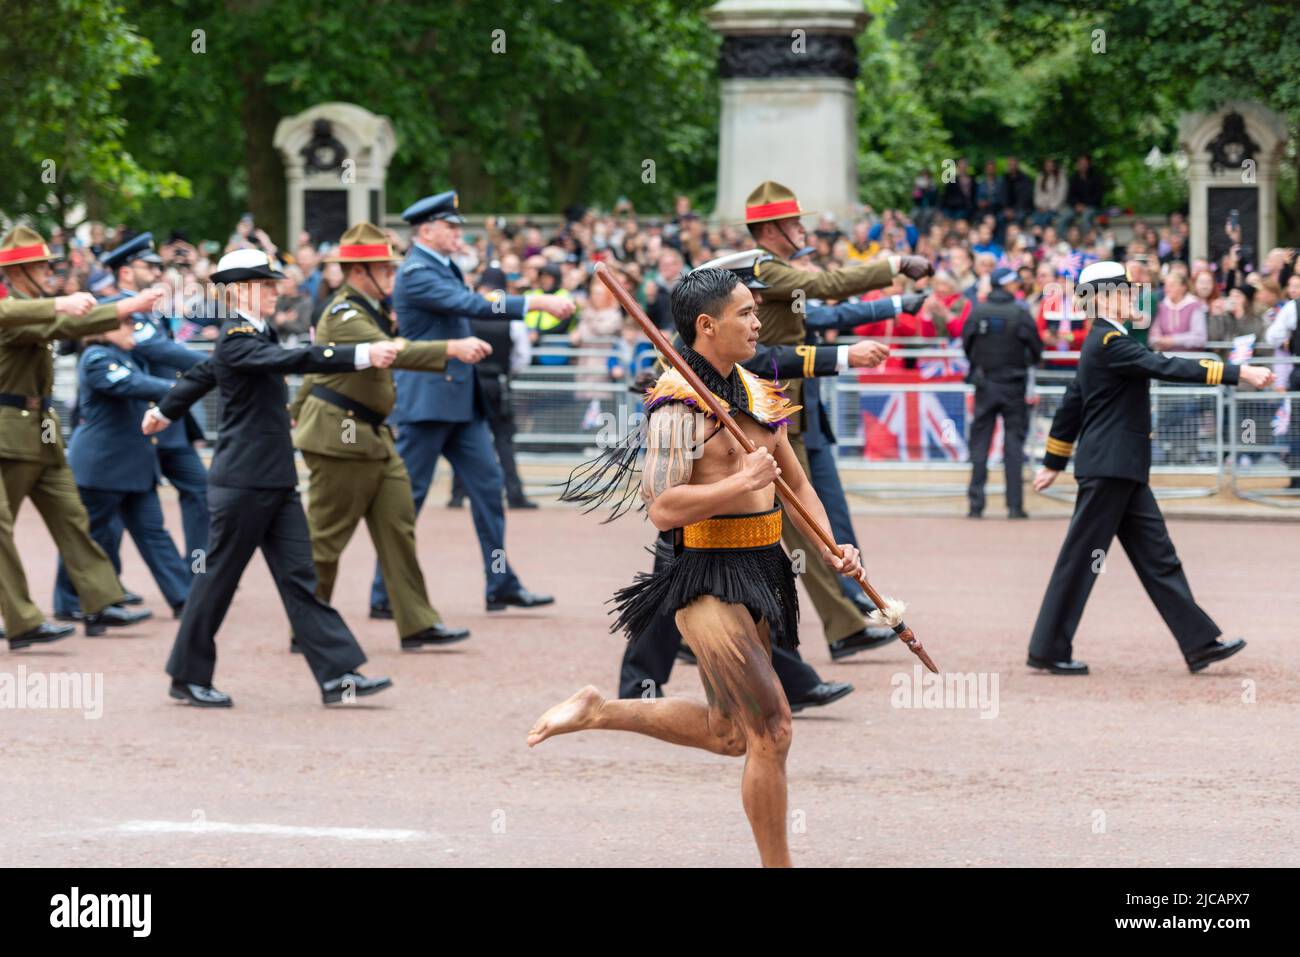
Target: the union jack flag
pixel 942 368
pixel 1282 419
pixel 914 426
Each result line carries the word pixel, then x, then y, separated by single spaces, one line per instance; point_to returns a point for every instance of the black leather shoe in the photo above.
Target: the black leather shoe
pixel 823 694
pixel 439 634
pixel 40 635
pixel 456 502
pixel 974 514
pixel 351 685
pixel 872 637
pixel 1017 513
pixel 381 612
pixel 1058 667
pixel 522 503
pixel 520 599
pixel 114 616
pixel 201 696
pixel 1202 658
pixel 68 616
pixel 131 598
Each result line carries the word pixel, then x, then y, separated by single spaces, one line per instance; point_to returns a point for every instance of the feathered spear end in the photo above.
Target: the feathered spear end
pixel 889 615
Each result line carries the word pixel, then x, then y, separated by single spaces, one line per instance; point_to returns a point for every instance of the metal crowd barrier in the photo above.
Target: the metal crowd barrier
pixel 1209 437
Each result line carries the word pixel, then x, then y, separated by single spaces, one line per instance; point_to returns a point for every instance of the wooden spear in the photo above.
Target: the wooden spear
pixel 889 613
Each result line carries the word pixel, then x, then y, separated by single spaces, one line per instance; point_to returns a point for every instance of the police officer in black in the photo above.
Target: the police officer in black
pixel 1107 410
pixel 1002 344
pixel 511 351
pixel 252 489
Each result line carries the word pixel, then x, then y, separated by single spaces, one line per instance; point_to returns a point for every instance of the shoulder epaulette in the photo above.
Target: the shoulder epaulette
pixel 767 402
pixel 1105 340
pixel 242 330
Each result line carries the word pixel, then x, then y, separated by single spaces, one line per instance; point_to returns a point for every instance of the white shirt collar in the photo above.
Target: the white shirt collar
pixel 445 260
pixel 258 324
pixel 1117 325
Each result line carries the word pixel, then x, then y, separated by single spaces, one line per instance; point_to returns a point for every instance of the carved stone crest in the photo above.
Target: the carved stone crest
pixel 1233 146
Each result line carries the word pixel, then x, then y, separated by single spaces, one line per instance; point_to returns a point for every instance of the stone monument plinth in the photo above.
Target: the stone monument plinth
pixel 789 105
pixel 336 158
pixel 1233 155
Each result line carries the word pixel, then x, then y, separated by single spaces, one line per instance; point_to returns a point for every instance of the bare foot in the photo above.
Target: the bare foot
pixel 571 715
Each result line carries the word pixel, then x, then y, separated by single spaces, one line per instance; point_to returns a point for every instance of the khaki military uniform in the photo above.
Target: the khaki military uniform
pixel 355 469
pixel 784 325
pixel 32 461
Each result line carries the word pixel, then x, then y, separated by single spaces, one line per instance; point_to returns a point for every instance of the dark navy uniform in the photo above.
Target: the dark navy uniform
pixel 1107 411
pixel 494 375
pixel 819 436
pixel 165 358
pixel 116 469
pixel 254 502
pixel 1002 344
pixel 445 414
pixel 158 354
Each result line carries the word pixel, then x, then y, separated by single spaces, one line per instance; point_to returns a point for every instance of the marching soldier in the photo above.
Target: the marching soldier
pixel 1107 410
pixel 32 460
pixel 115 467
pixel 439 415
pixel 137 266
pixel 356 471
pixel 253 489
pixel 27 623
pixel 1002 344
pixel 772 214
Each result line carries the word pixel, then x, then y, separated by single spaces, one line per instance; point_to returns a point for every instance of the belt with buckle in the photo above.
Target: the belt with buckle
pixel 350 406
pixel 32 403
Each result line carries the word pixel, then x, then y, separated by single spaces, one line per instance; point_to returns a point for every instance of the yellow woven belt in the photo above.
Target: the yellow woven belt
pixel 734 531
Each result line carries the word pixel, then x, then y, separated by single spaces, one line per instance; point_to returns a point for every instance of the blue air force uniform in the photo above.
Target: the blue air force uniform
pixel 159 355
pixel 444 414
pixel 115 467
pixel 1107 411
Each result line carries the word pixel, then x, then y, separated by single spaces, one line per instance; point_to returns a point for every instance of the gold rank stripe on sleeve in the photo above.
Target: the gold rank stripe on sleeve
pixel 1058 447
pixel 1213 371
pixel 809 356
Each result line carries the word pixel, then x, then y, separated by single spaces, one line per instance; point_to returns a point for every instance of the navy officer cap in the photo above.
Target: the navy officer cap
pixel 137 247
pixel 442 206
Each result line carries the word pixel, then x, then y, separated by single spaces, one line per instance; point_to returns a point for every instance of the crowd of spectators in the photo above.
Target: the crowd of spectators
pixel 1045 226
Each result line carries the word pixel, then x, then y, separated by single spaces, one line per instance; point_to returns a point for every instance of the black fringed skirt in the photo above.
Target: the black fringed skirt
pixel 735 558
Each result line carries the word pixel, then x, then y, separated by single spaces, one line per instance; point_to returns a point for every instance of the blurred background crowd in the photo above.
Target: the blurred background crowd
pixel 1047 226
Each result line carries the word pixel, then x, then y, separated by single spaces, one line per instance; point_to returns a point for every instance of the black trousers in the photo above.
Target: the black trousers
pixel 244 520
pixel 501 420
pixel 992 399
pixel 649 657
pixel 1107 507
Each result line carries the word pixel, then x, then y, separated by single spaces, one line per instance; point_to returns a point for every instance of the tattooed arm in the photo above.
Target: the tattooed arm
pixel 674 438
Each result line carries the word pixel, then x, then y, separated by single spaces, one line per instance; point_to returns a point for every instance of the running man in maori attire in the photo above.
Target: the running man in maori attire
pixel 729 581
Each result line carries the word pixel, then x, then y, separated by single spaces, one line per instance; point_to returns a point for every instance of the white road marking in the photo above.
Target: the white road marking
pixel 273 830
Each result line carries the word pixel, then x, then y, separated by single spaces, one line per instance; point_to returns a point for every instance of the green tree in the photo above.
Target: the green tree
pixel 1108 77
pixel 61 108
pixel 521 105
